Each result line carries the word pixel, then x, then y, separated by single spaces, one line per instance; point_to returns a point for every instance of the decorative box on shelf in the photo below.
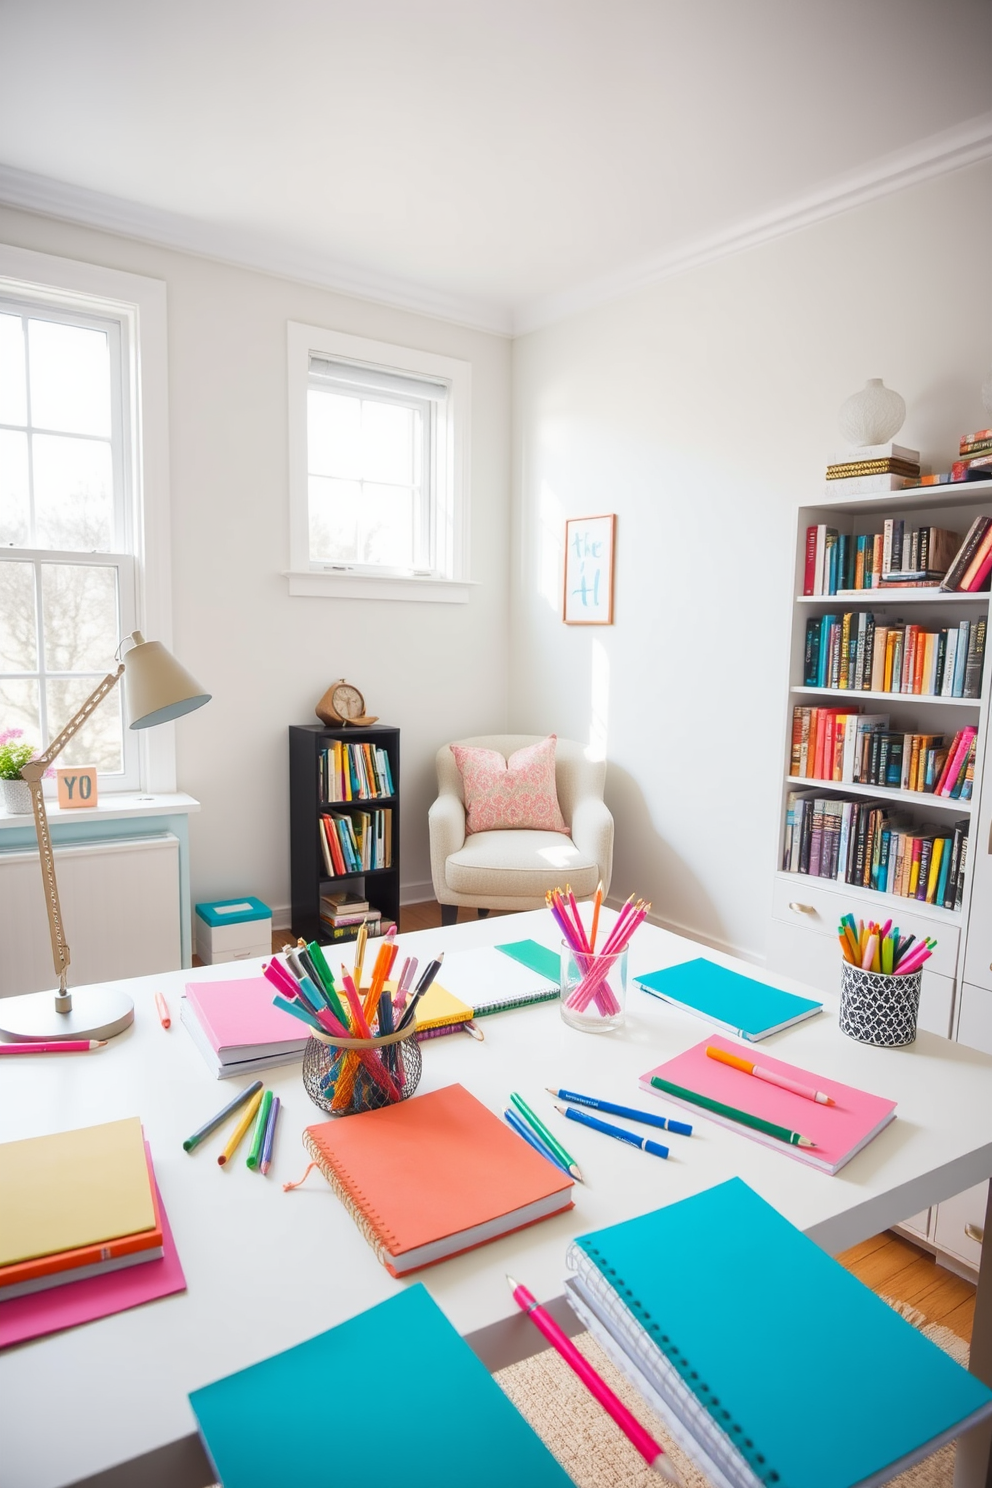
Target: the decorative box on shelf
pixel 233 930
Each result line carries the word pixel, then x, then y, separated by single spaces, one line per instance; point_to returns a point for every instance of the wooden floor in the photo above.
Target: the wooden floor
pixel 886 1263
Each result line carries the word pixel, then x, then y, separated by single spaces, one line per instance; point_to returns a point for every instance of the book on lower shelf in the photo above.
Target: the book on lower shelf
pixel 870 844
pixel 787 1391
pixel 857 651
pixel 854 748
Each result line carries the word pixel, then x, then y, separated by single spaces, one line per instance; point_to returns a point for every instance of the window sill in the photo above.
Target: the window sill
pixel 111 807
pixel 366 586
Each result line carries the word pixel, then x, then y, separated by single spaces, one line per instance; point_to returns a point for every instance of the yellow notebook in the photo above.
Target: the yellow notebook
pixel 438 1007
pixel 73 1188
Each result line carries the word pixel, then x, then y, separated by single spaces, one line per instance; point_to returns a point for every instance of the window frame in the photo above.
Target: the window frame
pixel 54 286
pixel 449 581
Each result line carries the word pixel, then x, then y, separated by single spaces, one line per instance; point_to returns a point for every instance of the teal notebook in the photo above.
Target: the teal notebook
pixel 781 1366
pixel 740 1005
pixel 347 1407
pixel 536 957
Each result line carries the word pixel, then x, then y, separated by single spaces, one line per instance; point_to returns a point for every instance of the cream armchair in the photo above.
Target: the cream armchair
pixel 515 869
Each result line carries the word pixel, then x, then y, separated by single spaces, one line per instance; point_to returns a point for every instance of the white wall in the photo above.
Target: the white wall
pixel 700 411
pixel 434 670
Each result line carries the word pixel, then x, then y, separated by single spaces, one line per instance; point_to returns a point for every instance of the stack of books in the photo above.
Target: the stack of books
pixel 860 749
pixel 896 557
pixel 974 460
pixel 858 651
pixel 735 1388
pixel 354 772
pixel 341 915
pixel 237 1029
pixel 873 467
pixel 356 841
pixel 863 842
pixel 970 570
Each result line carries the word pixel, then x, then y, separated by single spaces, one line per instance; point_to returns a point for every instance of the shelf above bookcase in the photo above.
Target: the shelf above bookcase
pixel 923 799
pixel 959 494
pixel 895 597
pixel 929 698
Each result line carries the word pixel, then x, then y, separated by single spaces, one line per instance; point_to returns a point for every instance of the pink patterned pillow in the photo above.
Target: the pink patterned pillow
pixel 518 792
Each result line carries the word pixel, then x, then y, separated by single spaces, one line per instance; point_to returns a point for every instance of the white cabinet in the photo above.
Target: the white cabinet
pixel 959 1224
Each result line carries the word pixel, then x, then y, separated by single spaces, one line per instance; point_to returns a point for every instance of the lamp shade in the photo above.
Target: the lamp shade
pixel 158 688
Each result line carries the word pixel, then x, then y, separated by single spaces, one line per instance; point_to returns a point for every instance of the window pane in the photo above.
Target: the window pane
pixel 19 709
pixel 18 620
pixel 15 511
pixel 387 442
pixel 334 506
pixel 13 404
pixel 70 378
pixel 79 617
pixel 99 740
pixel 73 494
pixel 334 435
pixel 386 526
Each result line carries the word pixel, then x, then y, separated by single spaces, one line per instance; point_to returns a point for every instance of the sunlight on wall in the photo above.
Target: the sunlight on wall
pixel 599 702
pixel 550 536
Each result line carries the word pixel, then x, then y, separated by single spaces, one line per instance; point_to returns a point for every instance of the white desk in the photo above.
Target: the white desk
pixel 266 1269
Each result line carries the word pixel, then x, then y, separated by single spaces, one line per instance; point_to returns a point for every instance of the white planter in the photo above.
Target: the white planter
pixel 873 415
pixel 16 797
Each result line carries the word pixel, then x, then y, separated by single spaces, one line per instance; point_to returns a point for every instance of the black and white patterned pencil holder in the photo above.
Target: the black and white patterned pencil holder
pixel 879 1009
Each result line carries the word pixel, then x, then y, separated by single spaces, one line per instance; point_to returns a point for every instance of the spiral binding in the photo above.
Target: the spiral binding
pixel 646 1340
pixel 368 1221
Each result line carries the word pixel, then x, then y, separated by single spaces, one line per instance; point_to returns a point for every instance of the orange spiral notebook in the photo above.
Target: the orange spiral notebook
pixel 434 1176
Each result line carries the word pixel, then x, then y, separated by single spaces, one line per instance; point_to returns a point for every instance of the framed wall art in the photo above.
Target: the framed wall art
pixel 588 594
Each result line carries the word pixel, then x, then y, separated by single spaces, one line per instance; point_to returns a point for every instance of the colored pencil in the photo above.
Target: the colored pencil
pixel 547 1137
pixel 215 1121
pixel 761 1073
pixel 620 1133
pixel 270 1132
pixel 523 1130
pixel 430 972
pixel 62 1046
pixel 647 1118
pixel 597 905
pixel 731 1113
pixel 652 1451
pixel 240 1129
pixel 162 1008
pixel 258 1135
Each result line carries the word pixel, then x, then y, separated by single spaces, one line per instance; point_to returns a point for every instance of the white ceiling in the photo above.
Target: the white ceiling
pixel 502 161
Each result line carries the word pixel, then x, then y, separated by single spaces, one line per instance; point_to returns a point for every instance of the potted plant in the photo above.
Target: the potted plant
pixel 15 792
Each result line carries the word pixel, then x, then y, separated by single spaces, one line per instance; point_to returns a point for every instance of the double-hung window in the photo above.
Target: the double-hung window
pixel 377 468
pixel 66 570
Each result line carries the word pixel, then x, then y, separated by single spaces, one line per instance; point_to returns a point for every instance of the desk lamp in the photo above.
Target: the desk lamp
pixel 157 689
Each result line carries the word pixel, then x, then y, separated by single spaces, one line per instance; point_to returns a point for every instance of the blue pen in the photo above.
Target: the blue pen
pixel 621 1134
pixel 297 1010
pixel 647 1118
pixel 522 1130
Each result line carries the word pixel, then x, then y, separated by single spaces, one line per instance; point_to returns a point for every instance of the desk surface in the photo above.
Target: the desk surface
pixel 266 1269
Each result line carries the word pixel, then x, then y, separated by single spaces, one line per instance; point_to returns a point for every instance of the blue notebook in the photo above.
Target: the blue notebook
pixel 778 1365
pixel 738 1004
pixel 348 1407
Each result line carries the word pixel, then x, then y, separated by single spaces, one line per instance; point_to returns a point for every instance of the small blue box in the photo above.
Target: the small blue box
pixel 233 929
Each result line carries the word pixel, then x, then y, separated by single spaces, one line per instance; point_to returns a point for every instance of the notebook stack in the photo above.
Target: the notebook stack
pixel 767 1360
pixel 236 1028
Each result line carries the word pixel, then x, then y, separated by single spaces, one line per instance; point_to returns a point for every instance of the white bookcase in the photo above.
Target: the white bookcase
pixel 957 980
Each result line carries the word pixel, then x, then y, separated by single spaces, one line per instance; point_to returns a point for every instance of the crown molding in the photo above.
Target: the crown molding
pixel 953 149
pixel 243 248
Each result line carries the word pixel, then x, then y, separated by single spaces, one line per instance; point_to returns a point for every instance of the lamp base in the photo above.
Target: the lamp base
pixel 97 1012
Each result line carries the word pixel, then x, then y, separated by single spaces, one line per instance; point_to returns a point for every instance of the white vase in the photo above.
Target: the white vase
pixel 16 797
pixel 873 415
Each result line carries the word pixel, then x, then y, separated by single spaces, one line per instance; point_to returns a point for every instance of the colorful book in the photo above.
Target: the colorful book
pixel 539 958
pixel 839 1131
pixel 236 1027
pixel 434 1176
pixel 750 1009
pixel 440 1011
pixel 476 1436
pixel 493 983
pixel 770 1362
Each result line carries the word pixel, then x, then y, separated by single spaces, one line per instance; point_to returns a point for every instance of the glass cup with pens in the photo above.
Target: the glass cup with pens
pixel 594 980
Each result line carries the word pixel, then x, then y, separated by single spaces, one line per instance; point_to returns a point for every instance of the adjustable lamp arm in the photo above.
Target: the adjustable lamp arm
pixel 33 773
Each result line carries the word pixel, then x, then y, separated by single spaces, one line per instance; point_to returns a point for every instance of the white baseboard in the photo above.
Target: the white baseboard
pixel 416 893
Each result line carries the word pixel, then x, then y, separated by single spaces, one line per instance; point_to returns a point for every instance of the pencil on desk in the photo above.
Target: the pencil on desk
pixel 270 1132
pixel 258 1136
pixel 618 1133
pixel 215 1121
pixel 547 1137
pixel 241 1128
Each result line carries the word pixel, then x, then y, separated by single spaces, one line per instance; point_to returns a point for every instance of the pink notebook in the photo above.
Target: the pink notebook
pixel 839 1131
pixel 96 1297
pixel 240 1014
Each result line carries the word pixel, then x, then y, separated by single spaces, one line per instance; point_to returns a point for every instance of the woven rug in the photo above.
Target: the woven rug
pixel 596 1453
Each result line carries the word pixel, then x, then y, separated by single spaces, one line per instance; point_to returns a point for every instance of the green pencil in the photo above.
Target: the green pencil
pixel 549 1138
pixel 258 1136
pixel 732 1114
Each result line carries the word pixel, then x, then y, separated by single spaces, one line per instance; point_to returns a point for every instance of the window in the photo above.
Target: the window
pixel 377 459
pixel 73 522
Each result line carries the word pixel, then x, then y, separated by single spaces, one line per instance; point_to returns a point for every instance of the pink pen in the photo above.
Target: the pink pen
pixel 62 1046
pixel 652 1451
pixel 769 1076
